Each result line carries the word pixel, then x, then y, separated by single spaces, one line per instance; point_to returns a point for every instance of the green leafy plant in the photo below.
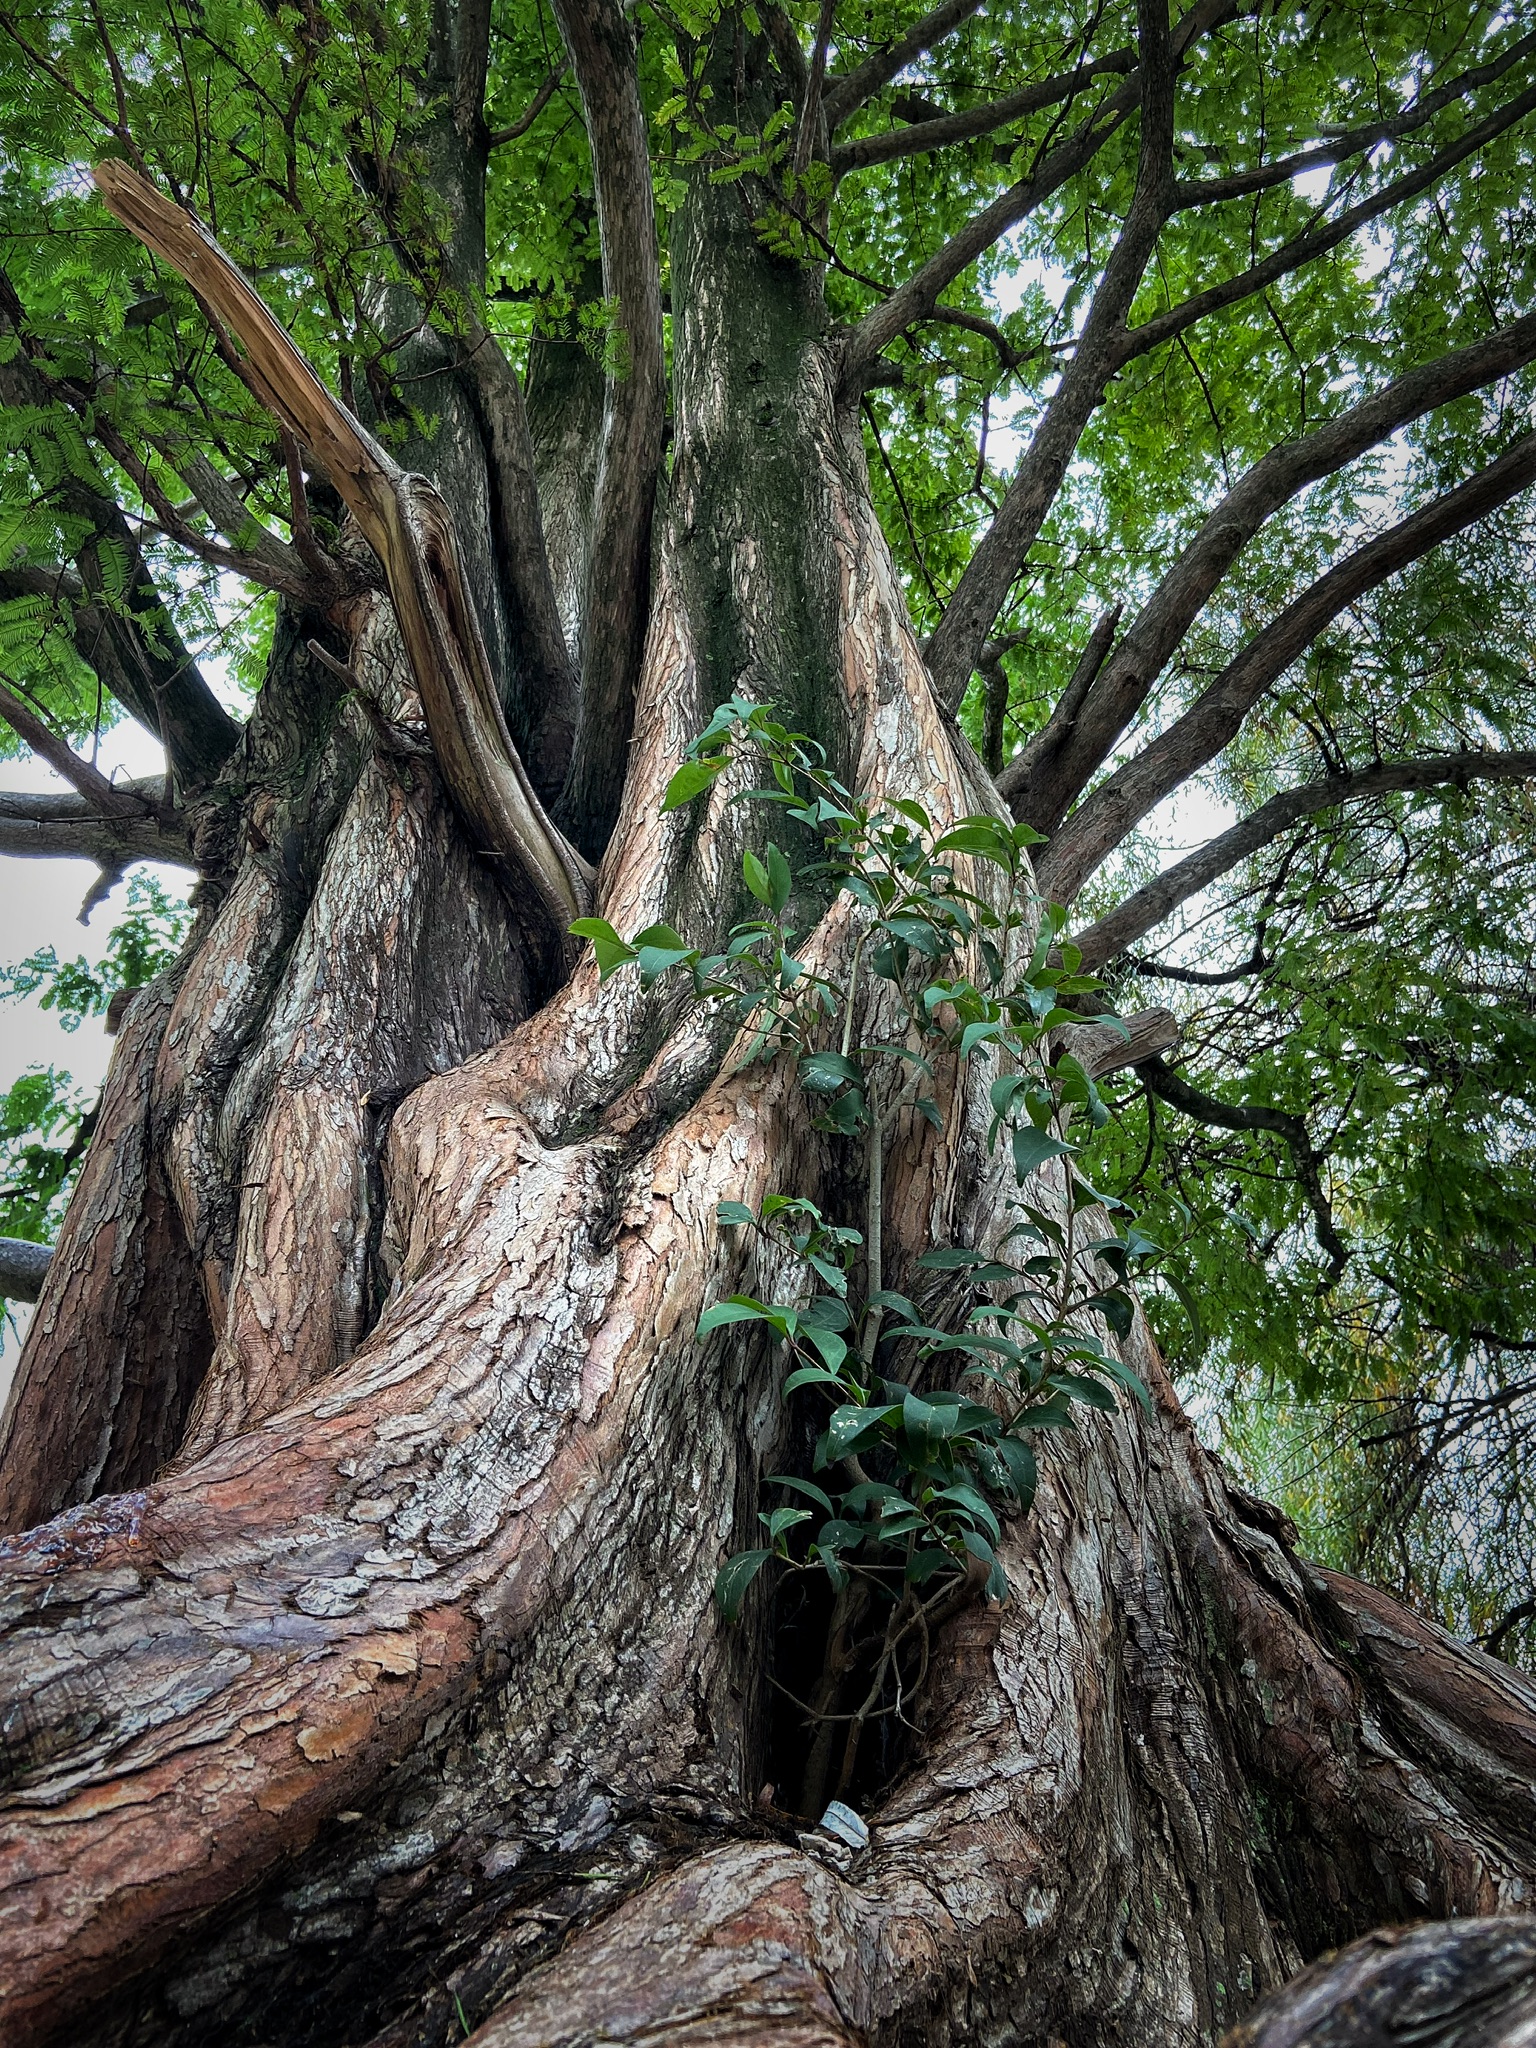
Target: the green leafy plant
pixel 929 1399
pixel 148 938
pixel 45 1119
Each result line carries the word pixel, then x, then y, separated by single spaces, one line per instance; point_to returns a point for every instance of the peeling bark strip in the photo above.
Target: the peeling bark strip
pixel 405 521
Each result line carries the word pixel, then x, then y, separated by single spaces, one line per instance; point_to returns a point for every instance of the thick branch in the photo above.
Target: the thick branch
pixel 1017 773
pixel 71 828
pixel 23 1268
pixel 1128 922
pixel 36 733
pixel 1102 1049
pixel 979 596
pixel 1099 825
pixel 542 659
pixel 1452 1984
pixel 1273 481
pixel 850 89
pixel 602 48
pixel 404 520
pixel 1173 1089
pixel 939 130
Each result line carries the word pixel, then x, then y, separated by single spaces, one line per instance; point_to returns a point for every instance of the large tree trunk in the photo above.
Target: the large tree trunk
pixel 398 1701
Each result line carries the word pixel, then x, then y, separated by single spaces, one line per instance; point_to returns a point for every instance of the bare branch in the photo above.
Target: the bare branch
pixel 602 48
pixel 1103 1049
pixel 1172 1088
pixel 1100 823
pixel 938 130
pixel 49 827
pixel 850 89
pixel 536 106
pixel 1130 920
pixel 406 523
pixel 23 1268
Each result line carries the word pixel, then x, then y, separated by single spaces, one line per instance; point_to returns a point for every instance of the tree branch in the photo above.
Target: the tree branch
pixel 275 563
pixel 1103 1049
pixel 1092 832
pixel 35 732
pixel 1355 141
pixel 850 89
pixel 982 590
pixel 404 520
pixel 1273 481
pixel 938 130
pixel 1130 920
pixel 810 115
pixel 1317 241
pixel 602 49
pixel 57 827
pixel 543 661
pixel 23 1268
pixel 130 642
pixel 1171 1088
pixel 1017 773
pixel 1463 1981
pixel 536 106
pixel 916 299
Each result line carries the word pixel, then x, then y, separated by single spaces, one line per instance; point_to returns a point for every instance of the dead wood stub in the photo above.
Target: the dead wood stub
pixel 409 528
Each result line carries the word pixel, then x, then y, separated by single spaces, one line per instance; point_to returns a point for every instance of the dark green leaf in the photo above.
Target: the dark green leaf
pixel 735 1576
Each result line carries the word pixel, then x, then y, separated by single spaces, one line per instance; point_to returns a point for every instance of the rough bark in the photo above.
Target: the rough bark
pixel 1457 1984
pixel 398 1699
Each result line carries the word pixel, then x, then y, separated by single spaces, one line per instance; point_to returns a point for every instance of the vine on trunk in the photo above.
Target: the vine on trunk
pixel 911 1474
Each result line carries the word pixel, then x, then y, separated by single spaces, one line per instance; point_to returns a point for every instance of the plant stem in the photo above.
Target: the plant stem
pixel 873 1225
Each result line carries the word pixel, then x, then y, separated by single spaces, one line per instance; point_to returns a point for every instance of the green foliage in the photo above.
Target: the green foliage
pixel 43 1129
pixel 148 939
pixel 910 1471
pixel 45 1120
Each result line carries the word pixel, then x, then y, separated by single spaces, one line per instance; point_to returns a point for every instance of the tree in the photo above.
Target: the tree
pixel 367 1478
